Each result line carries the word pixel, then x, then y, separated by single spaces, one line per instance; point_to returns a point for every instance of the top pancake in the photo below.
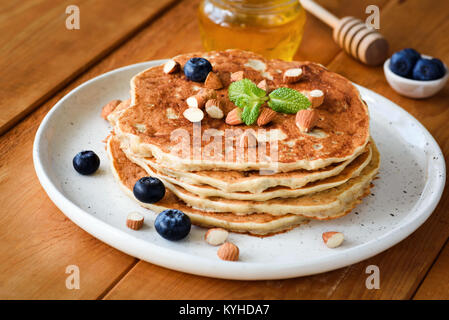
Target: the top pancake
pixel 159 99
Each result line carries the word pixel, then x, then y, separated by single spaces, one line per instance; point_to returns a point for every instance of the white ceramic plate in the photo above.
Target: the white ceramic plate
pixel 412 177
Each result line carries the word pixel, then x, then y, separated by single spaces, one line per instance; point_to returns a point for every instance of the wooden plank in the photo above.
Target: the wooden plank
pixel 37 241
pixel 402 267
pixel 436 282
pixel 40 55
pixel 149 44
pixel 405 265
pixel 318 44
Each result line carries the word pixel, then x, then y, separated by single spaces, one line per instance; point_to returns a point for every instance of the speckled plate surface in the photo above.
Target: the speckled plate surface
pixel 411 180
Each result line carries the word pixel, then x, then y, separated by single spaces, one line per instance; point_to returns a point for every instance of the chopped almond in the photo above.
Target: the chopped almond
pixel 216 236
pixel 134 220
pixel 265 117
pixel 264 86
pixel 333 239
pixel 171 66
pixel 213 109
pixel 292 75
pixel 306 119
pixel 196 101
pixel 193 114
pixel 237 76
pixel 228 251
pixel 316 97
pixel 213 81
pixel 234 117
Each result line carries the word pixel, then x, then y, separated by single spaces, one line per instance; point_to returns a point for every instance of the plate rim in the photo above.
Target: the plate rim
pixel 180 261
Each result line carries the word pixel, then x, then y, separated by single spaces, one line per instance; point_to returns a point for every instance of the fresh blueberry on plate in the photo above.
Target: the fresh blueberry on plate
pixel 402 62
pixel 197 69
pixel 427 69
pixel 86 162
pixel 172 224
pixel 149 190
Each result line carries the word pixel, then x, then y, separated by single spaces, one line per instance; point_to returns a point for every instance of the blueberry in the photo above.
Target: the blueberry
pixel 440 65
pixel 197 69
pixel 427 69
pixel 402 62
pixel 411 52
pixel 149 190
pixel 172 224
pixel 86 162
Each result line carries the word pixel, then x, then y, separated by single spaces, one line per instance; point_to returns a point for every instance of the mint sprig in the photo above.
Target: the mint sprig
pixel 246 95
pixel 287 100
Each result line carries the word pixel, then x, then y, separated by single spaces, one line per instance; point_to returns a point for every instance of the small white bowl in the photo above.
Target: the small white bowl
pixel 414 88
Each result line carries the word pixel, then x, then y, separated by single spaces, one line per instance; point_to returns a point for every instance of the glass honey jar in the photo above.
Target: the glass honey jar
pixel 273 28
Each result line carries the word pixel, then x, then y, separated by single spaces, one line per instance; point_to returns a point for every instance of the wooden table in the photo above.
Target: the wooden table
pixel 41 61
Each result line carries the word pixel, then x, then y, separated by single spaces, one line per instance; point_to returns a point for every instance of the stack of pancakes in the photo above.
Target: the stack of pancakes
pixel 322 174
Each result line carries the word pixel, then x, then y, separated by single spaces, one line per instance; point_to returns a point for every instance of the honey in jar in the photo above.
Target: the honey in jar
pixel 273 28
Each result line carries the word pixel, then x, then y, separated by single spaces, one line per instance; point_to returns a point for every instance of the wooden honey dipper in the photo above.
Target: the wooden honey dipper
pixel 353 35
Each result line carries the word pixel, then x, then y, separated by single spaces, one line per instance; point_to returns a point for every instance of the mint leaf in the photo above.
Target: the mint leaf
pixel 251 112
pixel 287 100
pixel 245 91
pixel 246 95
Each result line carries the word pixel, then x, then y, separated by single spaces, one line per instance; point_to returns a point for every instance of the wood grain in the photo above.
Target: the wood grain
pixel 40 55
pixel 317 44
pixel 403 266
pixel 39 242
pixel 436 282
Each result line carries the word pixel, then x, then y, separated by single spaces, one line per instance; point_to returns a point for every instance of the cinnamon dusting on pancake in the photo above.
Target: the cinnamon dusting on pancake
pixel 343 116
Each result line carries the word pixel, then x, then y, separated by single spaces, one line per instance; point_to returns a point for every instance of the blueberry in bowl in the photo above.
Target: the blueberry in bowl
pixel 197 69
pixel 149 190
pixel 86 162
pixel 403 62
pixel 428 69
pixel 415 75
pixel 173 224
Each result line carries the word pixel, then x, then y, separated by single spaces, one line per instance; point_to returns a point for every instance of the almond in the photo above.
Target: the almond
pixel 316 97
pixel 228 251
pixel 108 108
pixel 265 117
pixel 333 239
pixel 264 86
pixel 292 75
pixel 199 100
pixel 216 236
pixel 171 66
pixel 196 101
pixel 134 220
pixel 208 93
pixel 234 117
pixel 225 78
pixel 306 119
pixel 237 76
pixel 213 81
pixel 193 114
pixel 213 109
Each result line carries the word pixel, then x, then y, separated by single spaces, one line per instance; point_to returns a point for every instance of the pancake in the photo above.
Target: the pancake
pixel 127 173
pixel 248 181
pixel 323 205
pixel 350 171
pixel 159 99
